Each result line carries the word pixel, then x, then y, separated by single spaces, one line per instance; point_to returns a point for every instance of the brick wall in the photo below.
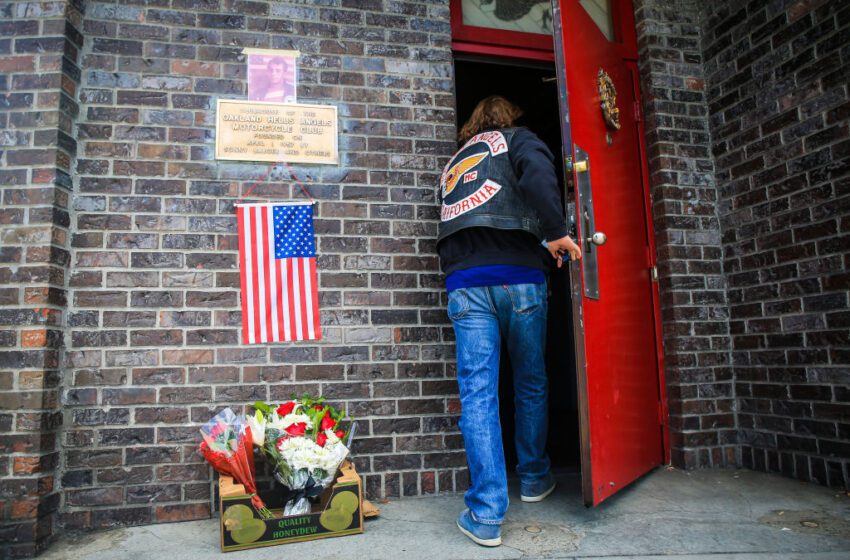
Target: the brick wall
pixel 700 387
pixel 39 52
pixel 777 76
pixel 154 339
pixel 751 212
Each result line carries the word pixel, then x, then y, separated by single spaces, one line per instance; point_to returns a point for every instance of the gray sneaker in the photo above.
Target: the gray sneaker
pixel 537 490
pixel 480 533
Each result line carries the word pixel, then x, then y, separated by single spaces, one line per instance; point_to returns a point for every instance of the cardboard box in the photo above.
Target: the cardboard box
pixel 338 513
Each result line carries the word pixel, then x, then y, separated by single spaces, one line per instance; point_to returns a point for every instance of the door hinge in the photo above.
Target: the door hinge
pixel 638 116
pixel 653 272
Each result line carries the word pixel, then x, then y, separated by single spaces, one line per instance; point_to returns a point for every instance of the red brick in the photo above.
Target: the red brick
pixel 24 509
pixel 26 465
pixel 195 68
pixel 34 339
pixel 17 63
pixel 181 512
pixel 187 357
pixel 163 151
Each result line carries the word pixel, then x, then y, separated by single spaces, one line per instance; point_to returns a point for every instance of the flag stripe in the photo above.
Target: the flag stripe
pixel 261 277
pixel 249 274
pixel 314 293
pixel 296 300
pixel 277 273
pixel 240 222
pixel 302 299
pixel 268 235
pixel 290 302
pixel 274 280
pixel 284 304
pixel 255 272
pixel 308 300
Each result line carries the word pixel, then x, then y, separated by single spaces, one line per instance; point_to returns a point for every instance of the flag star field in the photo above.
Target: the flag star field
pixel 293 232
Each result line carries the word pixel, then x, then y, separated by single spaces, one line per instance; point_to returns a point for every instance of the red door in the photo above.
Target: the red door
pixel 614 296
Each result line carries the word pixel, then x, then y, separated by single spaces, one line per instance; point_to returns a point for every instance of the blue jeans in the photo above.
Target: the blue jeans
pixel 481 317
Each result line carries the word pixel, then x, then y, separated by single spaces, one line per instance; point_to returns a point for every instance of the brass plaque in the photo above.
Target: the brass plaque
pixel 276 132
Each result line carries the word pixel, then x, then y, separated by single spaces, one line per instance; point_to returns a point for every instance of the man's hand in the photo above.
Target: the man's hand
pixel 561 247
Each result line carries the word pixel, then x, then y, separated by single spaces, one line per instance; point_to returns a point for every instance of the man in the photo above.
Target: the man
pixel 500 205
pixel 279 86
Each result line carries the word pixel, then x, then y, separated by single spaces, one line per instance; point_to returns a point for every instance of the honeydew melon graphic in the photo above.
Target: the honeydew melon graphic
pixel 244 528
pixel 346 501
pixel 340 514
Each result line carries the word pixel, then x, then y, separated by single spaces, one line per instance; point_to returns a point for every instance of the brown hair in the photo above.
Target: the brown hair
pixel 491 112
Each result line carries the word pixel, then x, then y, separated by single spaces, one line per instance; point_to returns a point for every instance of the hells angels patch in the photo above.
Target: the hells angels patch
pixel 461 169
pixel 496 144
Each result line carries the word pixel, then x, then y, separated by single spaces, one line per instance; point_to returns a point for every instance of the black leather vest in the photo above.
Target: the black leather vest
pixel 479 188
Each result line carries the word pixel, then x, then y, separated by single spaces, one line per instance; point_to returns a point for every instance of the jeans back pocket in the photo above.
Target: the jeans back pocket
pixel 458 304
pixel 527 298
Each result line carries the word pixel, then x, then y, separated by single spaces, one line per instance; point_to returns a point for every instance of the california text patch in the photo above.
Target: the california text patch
pixel 484 193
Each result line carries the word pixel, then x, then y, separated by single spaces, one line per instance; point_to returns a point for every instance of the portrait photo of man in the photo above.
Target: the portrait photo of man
pixel 272 76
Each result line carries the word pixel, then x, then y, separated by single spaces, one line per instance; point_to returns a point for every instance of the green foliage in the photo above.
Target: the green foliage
pixel 263 407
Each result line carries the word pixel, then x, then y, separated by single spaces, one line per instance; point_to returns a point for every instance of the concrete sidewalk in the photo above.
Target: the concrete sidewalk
pixel 721 514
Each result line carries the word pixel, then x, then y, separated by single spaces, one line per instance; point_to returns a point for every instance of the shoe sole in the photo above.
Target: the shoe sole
pixel 476 540
pixel 539 498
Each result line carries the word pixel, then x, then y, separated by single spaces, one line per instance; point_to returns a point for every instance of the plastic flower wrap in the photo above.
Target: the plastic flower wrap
pixel 227 446
pixel 305 444
pixel 257 423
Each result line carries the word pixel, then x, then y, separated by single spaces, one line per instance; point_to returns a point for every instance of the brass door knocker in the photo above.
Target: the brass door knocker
pixel 608 99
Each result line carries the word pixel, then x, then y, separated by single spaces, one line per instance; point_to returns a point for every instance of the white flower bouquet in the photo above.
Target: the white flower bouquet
pixel 304 442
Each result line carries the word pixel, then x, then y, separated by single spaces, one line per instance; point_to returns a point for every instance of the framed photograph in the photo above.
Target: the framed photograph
pixel 525 24
pixel 272 75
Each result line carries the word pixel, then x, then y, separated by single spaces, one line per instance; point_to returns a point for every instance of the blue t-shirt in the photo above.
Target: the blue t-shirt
pixel 494 275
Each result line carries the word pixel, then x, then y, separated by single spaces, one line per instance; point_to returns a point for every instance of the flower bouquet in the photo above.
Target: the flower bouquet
pixel 227 447
pixel 304 443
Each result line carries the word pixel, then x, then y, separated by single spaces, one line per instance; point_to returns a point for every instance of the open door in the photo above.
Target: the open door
pixel 621 398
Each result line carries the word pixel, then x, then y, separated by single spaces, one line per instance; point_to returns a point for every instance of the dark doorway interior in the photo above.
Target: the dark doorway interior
pixel 531 86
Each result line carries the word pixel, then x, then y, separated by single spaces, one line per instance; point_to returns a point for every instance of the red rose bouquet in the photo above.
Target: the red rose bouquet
pixel 227 446
pixel 305 444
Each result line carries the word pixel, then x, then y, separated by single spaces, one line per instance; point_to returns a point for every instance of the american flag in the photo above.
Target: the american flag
pixel 277 269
